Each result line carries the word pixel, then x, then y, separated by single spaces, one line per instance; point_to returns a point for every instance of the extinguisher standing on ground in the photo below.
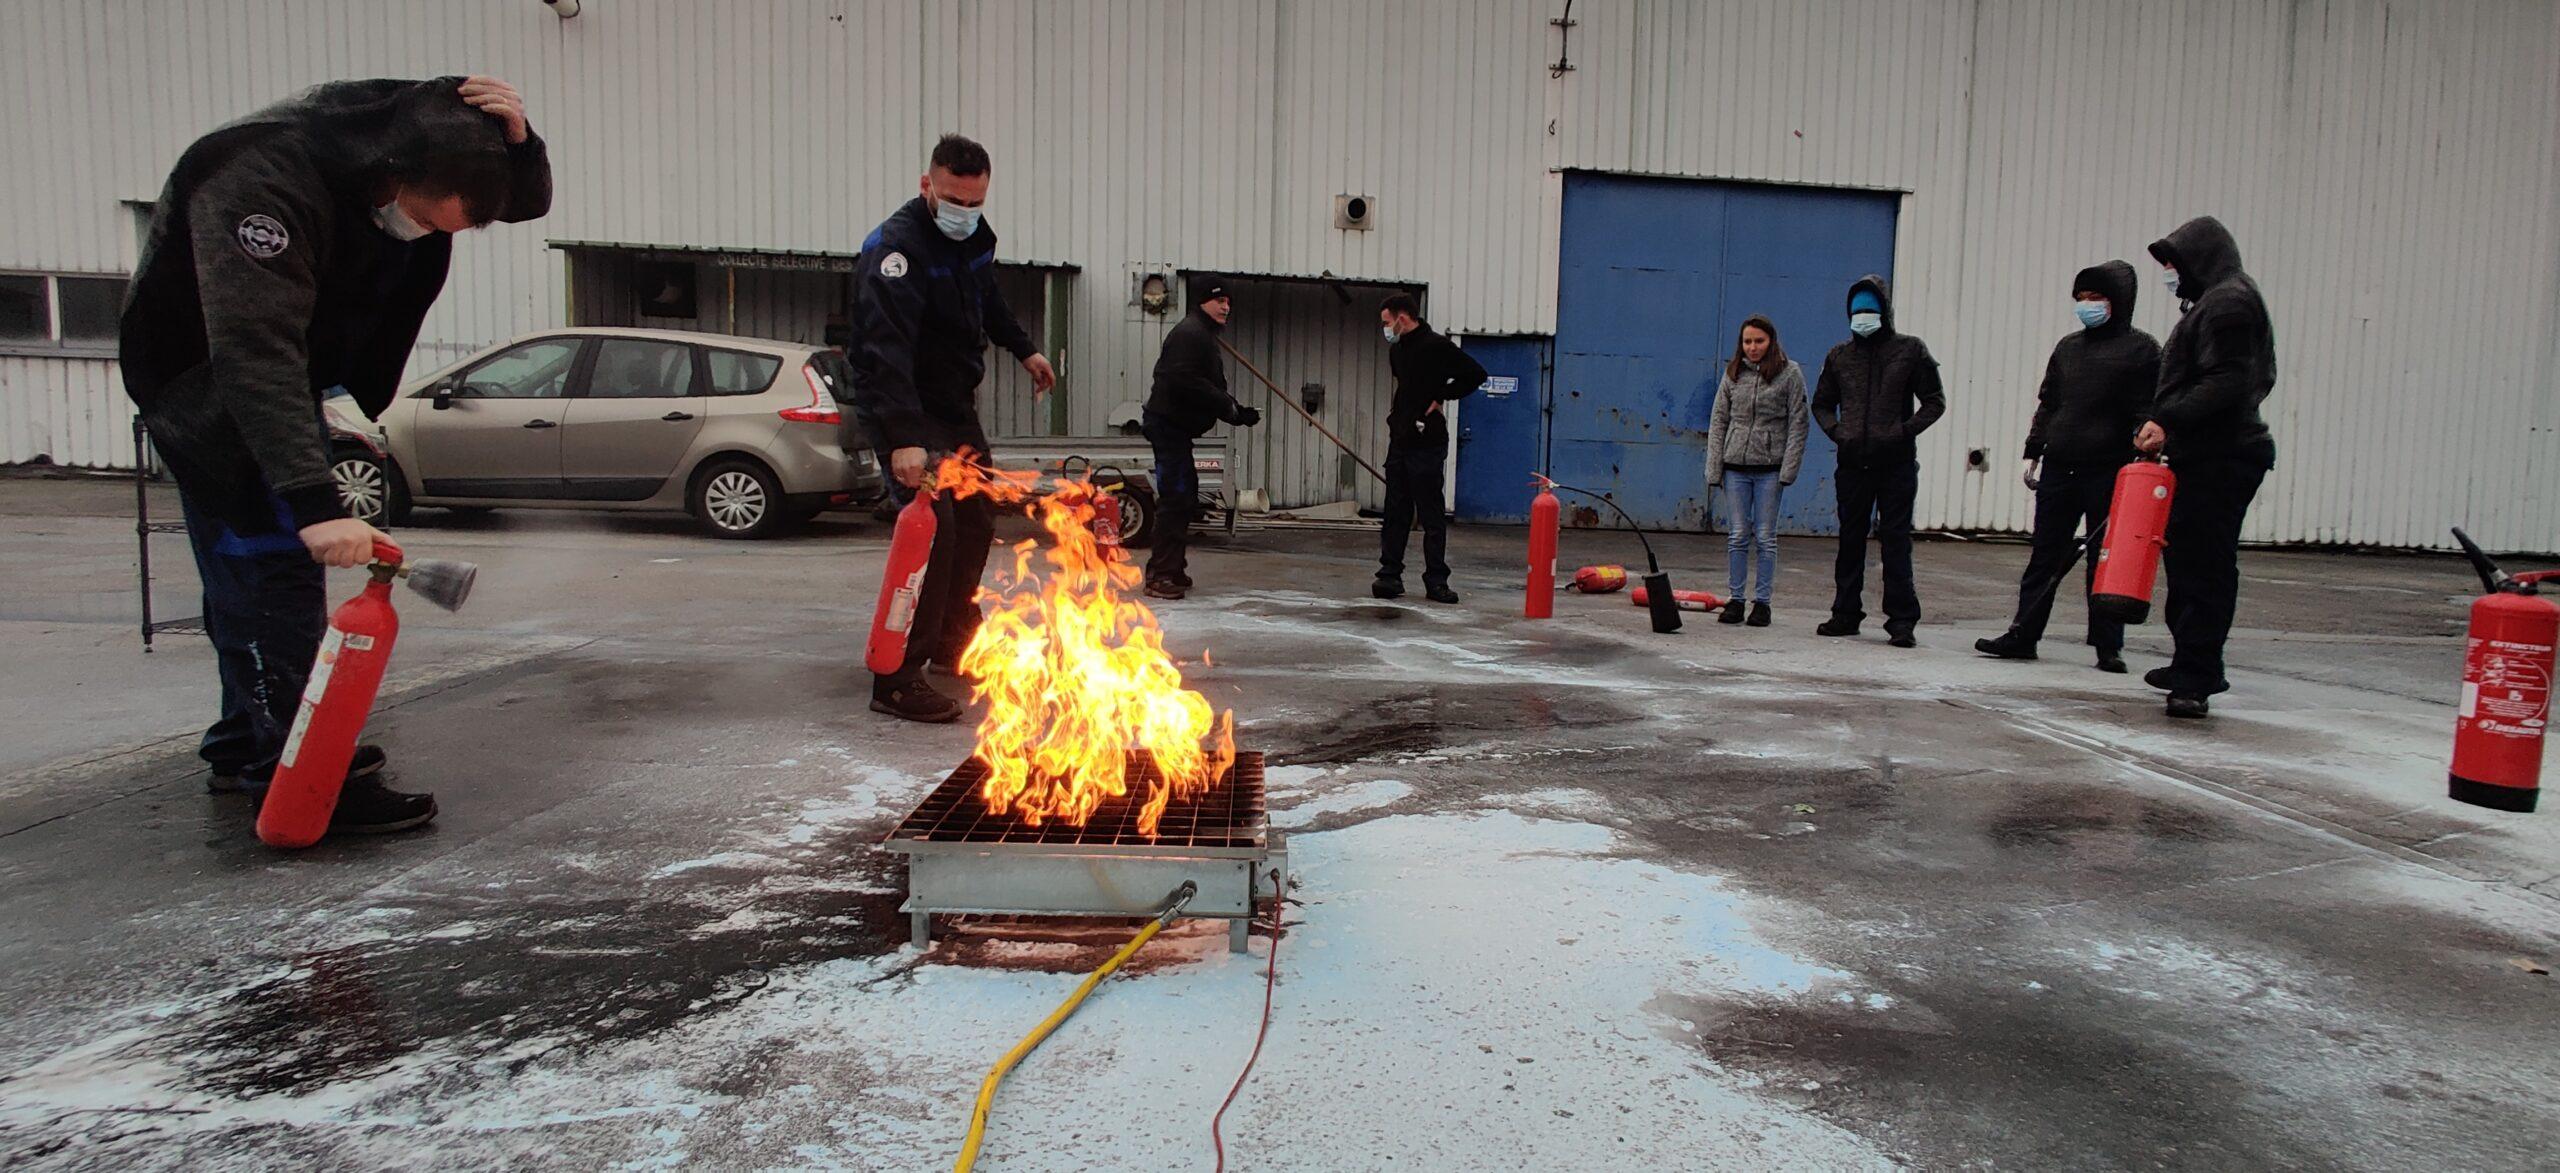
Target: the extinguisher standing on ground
pixel 345 677
pixel 2137 529
pixel 2506 688
pixel 1545 515
pixel 902 583
pixel 1106 511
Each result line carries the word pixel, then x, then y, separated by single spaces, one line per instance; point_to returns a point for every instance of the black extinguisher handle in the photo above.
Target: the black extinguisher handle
pixel 2492 579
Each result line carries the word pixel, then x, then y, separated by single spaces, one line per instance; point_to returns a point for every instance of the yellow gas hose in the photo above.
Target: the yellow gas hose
pixel 987 1089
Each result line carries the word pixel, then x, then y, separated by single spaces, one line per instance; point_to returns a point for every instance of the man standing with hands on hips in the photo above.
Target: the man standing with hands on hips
pixel 925 307
pixel 293 252
pixel 1429 370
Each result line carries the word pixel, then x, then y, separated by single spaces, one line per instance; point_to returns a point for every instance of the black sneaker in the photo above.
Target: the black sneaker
pixel 1166 589
pixel 1183 581
pixel 367 762
pixel 367 807
pixel 915 701
pixel 1386 589
pixel 2006 646
pixel 2189 705
pixel 1836 626
pixel 951 669
pixel 1440 594
pixel 2160 678
pixel 2110 662
pixel 1899 636
pixel 1732 611
pixel 1759 615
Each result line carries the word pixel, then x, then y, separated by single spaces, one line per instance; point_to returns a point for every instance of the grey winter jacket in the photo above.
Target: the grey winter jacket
pixel 1757 422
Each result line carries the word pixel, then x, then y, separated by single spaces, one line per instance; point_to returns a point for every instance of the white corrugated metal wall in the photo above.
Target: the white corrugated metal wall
pixel 2388 165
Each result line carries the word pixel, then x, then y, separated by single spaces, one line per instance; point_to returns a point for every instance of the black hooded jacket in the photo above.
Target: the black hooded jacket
pixel 1428 368
pixel 2220 361
pixel 1190 386
pixel 264 283
pixel 924 308
pixel 1865 400
pixel 2098 384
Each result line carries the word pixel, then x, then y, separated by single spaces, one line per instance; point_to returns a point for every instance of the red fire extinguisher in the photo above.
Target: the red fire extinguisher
pixel 901 583
pixel 1106 512
pixel 1545 515
pixel 2137 529
pixel 2506 688
pixel 345 677
pixel 1688 600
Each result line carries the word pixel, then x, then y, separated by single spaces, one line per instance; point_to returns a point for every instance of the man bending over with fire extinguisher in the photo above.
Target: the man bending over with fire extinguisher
pixel 925 307
pixel 2217 367
pixel 294 251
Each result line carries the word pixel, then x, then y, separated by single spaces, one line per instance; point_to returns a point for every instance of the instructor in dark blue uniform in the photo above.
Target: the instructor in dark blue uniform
pixel 925 307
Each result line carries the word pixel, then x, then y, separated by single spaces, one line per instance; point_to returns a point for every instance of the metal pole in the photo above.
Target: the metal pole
pixel 142 521
pixel 1303 413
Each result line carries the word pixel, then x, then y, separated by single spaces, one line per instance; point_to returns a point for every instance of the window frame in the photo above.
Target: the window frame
pixel 572 381
pixel 706 351
pixel 595 356
pixel 52 345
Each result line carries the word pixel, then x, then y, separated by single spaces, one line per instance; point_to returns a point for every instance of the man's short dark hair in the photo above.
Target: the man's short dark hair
pixel 485 181
pixel 961 156
pixel 1402 303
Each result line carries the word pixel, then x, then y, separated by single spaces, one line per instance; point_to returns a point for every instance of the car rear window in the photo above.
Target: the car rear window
pixel 837 372
pixel 736 372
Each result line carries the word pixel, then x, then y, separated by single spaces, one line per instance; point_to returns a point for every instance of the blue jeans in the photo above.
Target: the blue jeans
pixel 265 608
pixel 1751 523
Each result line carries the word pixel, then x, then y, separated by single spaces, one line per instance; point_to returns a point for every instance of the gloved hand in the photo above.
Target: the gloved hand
pixel 2031 472
pixel 1246 417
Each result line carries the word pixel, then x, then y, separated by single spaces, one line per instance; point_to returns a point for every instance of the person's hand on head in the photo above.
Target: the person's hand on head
pixel 498 100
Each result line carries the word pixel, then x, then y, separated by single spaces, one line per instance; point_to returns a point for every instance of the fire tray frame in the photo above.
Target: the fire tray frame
pixel 962 860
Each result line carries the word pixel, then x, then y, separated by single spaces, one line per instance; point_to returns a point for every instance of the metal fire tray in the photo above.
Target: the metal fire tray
pixel 962 859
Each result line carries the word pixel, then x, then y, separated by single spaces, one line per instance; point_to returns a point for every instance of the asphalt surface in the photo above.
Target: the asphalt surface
pixel 2075 934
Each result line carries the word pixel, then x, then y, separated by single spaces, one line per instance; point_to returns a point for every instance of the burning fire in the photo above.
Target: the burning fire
pixel 1075 676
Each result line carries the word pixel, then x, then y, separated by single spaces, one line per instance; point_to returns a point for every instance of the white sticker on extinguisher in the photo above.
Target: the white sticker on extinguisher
pixel 321 666
pixel 902 602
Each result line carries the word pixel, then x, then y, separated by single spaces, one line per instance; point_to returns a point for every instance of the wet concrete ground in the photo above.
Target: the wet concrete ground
pixel 1570 892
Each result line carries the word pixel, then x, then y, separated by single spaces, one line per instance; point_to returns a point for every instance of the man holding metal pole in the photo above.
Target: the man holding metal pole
pixel 1189 397
pixel 1429 370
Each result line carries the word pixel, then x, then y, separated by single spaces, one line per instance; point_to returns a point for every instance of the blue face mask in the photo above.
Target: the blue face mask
pixel 956 222
pixel 2093 314
pixel 2169 277
pixel 1864 324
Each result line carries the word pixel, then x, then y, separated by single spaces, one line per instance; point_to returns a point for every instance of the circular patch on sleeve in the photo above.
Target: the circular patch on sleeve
pixel 261 236
pixel 893 266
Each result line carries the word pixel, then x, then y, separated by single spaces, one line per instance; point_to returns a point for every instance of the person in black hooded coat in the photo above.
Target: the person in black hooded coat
pixel 1878 392
pixel 2217 367
pixel 294 251
pixel 2096 392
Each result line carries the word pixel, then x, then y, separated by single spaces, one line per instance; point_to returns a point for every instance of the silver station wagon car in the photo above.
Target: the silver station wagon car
pixel 741 433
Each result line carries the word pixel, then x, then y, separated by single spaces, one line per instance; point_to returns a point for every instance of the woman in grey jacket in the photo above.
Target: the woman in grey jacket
pixel 1755 447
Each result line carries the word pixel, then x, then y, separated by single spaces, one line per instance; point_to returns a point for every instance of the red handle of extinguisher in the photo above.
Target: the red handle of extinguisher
pixel 388 554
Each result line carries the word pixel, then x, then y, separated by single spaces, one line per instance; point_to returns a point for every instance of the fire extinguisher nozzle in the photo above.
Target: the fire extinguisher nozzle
pixel 2492 579
pixel 445 583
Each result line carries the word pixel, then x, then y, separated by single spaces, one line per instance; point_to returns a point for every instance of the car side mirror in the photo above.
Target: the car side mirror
pixel 441 397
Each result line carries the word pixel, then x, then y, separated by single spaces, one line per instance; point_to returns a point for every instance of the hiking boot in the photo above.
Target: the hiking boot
pixel 1386 588
pixel 1166 589
pixel 2006 646
pixel 1836 626
pixel 1182 580
pixel 915 701
pixel 2189 705
pixel 367 762
pixel 1759 615
pixel 1440 594
pixel 1899 635
pixel 2160 678
pixel 2110 662
pixel 1732 611
pixel 367 807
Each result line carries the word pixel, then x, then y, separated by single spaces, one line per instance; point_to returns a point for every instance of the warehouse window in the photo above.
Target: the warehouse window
pixel 60 314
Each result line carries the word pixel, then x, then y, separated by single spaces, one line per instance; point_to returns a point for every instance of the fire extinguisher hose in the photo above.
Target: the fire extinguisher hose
pixel 987 1089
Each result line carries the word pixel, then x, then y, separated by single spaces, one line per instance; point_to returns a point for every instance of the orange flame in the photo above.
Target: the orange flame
pixel 1076 676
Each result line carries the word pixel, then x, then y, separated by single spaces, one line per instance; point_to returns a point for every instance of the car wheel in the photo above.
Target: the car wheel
pixel 738 499
pixel 364 486
pixel 1137 516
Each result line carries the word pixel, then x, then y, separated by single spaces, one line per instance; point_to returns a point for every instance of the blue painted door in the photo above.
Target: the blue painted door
pixel 1657 276
pixel 1502 430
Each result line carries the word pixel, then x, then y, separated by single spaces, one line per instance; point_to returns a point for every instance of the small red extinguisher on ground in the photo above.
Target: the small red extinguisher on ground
pixel 901 583
pixel 2506 688
pixel 1545 515
pixel 2137 529
pixel 1106 513
pixel 345 677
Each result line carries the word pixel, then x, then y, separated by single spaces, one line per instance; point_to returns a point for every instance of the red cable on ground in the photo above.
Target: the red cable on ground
pixel 1280 914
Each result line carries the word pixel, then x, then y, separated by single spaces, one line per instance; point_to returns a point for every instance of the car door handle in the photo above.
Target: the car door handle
pixel 676 417
pixel 540 424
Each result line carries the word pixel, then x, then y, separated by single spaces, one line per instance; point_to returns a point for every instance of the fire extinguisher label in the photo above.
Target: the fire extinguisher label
pixel 902 604
pixel 359 643
pixel 321 666
pixel 2510 689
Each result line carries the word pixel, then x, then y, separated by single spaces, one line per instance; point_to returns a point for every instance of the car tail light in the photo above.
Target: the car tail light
pixel 822 406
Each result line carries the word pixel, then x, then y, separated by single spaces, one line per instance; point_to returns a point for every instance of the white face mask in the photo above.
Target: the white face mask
pixel 1864 324
pixel 956 222
pixel 1389 331
pixel 395 220
pixel 2169 277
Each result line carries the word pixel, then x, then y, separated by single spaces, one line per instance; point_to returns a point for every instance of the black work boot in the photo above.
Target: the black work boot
pixel 367 807
pixel 2189 705
pixel 1837 626
pixel 1166 589
pixel 2007 646
pixel 1759 615
pixel 1899 635
pixel 1440 593
pixel 1386 588
pixel 1732 611
pixel 914 700
pixel 2110 660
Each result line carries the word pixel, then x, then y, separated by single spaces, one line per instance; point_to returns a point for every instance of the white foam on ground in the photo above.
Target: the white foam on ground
pixel 1358 796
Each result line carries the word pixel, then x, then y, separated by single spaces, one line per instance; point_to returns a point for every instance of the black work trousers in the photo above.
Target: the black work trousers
pixel 1177 500
pixel 947 613
pixel 2203 563
pixel 265 609
pixel 1414 480
pixel 2068 494
pixel 1878 497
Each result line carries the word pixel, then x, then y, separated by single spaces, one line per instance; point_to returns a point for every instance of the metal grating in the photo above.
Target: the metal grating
pixel 1229 815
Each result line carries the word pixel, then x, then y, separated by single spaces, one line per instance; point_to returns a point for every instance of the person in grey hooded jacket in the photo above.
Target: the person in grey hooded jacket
pixel 1755 448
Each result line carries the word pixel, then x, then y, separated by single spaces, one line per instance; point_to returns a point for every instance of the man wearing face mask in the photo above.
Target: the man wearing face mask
pixel 925 308
pixel 2096 391
pixel 1878 392
pixel 2217 367
pixel 1429 370
pixel 1189 397
pixel 291 252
